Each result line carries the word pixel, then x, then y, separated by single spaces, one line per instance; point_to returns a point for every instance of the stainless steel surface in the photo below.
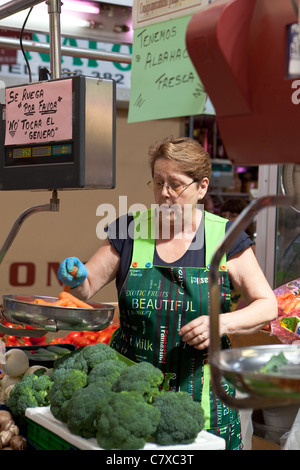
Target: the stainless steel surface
pixel 253 399
pixel 99 133
pixel 54 10
pixel 53 206
pixel 21 309
pixel 243 367
pixel 9 8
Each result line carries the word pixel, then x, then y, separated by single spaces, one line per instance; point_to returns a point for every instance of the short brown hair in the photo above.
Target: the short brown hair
pixel 187 153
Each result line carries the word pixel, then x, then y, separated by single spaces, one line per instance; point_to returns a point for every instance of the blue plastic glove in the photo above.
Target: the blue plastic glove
pixel 67 267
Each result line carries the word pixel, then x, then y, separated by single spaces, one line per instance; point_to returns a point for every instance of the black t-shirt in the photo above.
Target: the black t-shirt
pixel 120 237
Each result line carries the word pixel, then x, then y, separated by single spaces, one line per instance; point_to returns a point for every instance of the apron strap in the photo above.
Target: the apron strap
pixel 144 238
pixel 205 398
pixel 215 227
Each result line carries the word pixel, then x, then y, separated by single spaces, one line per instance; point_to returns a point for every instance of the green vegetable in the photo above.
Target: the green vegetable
pixel 274 363
pixel 62 390
pixel 32 391
pixel 107 371
pixel 181 418
pixel 122 404
pixel 143 378
pixel 125 421
pixel 59 350
pixel 81 409
pixel 92 354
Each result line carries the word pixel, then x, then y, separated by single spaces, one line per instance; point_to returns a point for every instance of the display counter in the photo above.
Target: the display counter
pixel 47 433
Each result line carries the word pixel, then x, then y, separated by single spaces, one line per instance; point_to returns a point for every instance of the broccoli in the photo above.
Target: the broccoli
pixel 32 391
pixel 107 372
pixel 81 409
pixel 125 421
pixel 143 377
pixel 62 390
pixel 181 419
pixel 274 364
pixel 94 354
pixel 67 362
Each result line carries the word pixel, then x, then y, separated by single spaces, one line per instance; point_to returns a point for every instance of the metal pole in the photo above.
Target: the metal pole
pixel 54 10
pixel 67 50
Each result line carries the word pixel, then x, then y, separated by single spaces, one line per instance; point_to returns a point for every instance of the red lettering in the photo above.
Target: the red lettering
pixel 52 267
pixel 14 274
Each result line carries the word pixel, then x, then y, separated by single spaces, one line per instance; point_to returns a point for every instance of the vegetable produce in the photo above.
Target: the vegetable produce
pixel 126 421
pixel 143 378
pixel 15 363
pixel 180 418
pixel 274 364
pixel 10 439
pixel 65 299
pixel 32 391
pixel 65 384
pixel 113 400
pixel 81 409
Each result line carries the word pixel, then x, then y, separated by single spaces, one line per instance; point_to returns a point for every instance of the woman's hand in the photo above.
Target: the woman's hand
pixel 196 332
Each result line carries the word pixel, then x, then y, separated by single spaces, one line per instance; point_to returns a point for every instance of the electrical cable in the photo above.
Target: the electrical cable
pixel 21 45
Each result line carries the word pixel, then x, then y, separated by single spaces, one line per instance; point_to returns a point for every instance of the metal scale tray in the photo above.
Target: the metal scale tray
pixel 243 368
pixel 20 309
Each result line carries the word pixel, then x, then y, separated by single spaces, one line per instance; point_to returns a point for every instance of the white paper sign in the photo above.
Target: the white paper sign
pixel 39 113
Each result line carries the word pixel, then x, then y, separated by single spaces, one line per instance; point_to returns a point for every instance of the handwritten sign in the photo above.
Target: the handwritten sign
pixel 164 82
pixel 39 112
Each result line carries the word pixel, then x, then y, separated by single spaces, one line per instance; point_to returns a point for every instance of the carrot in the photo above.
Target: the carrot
pixel 73 273
pixel 41 302
pixel 79 303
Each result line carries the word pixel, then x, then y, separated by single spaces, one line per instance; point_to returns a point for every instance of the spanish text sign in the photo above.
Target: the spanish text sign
pixel 164 82
pixel 39 113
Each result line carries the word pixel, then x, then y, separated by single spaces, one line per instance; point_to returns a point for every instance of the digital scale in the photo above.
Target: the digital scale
pixel 59 134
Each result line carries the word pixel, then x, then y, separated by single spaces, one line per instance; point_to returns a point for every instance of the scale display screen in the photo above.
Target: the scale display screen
pixel 39 155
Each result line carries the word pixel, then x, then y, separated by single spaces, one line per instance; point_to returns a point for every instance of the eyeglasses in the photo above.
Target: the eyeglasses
pixel 175 189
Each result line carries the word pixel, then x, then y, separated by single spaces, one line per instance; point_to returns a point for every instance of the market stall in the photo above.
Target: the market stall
pixel 267 376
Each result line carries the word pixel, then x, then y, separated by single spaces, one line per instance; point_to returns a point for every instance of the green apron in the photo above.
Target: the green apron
pixel 155 302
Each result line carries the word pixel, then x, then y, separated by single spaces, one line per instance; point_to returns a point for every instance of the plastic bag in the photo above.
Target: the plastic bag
pixel 288 299
pixel 291 441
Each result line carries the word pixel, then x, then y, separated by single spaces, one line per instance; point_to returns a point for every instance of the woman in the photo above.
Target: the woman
pixel 161 271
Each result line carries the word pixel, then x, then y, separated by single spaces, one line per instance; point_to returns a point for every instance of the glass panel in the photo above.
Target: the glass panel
pixel 287 262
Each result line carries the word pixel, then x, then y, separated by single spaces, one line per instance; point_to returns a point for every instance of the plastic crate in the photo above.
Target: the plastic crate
pixel 43 439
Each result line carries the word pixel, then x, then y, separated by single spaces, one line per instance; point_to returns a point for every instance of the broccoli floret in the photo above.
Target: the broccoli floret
pixel 126 421
pixel 62 390
pixel 143 377
pixel 42 387
pixel 274 364
pixel 94 354
pixel 32 391
pixel 107 372
pixel 67 362
pixel 181 419
pixel 81 409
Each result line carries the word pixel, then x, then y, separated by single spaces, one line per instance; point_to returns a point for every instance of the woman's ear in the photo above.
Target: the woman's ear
pixel 203 187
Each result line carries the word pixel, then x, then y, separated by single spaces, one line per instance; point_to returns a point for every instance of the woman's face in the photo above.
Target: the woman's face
pixel 174 191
